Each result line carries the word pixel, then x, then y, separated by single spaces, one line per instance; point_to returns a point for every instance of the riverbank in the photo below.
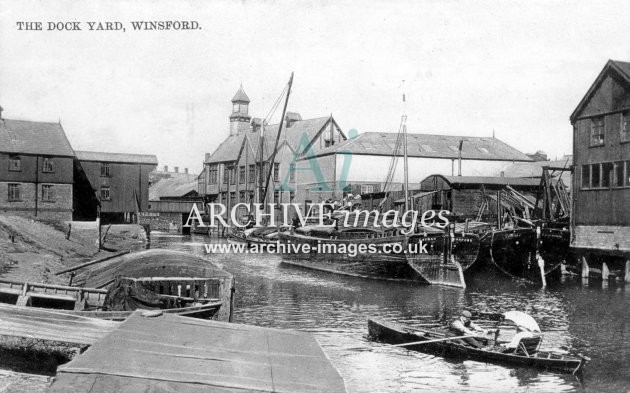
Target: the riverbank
pixel 33 250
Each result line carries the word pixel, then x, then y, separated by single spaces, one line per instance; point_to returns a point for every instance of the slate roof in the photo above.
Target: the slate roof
pixel 33 137
pixel 240 95
pixel 429 145
pixel 178 185
pixel 148 159
pixel 229 149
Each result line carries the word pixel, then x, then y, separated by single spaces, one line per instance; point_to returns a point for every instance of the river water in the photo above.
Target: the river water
pixel 588 319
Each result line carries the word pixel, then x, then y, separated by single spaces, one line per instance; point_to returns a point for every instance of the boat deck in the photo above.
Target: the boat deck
pixel 170 353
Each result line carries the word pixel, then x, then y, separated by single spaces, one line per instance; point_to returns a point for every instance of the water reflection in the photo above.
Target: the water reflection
pixel 586 319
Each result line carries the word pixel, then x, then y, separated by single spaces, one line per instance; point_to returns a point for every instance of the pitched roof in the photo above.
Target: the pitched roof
pixel 230 148
pixel 33 137
pixel 495 180
pixel 534 169
pixel 148 159
pixel 429 145
pixel 178 185
pixel 622 68
pixel 240 95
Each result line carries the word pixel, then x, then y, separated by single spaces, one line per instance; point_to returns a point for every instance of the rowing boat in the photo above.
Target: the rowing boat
pixel 394 333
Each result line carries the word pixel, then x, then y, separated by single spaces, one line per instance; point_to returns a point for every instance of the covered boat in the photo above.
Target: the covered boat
pixel 526 354
pixel 159 279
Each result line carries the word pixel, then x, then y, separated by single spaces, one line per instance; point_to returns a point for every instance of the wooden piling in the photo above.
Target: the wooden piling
pixel 585 269
pixel 541 265
pixel 605 271
pixel 627 274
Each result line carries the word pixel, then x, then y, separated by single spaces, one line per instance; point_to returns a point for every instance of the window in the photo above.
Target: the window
pixel 252 173
pixel 232 198
pixel 15 164
pixel 276 197
pixel 291 196
pixel 106 194
pixel 241 196
pixel 105 169
pixel 276 171
pixel 627 178
pixel 48 165
pixel 586 176
pixel 15 192
pixel 235 108
pixel 607 172
pixel 292 173
pixel 232 175
pixel 241 174
pixel 625 127
pixel 367 189
pixel 226 174
pixel 619 174
pixel 595 176
pixel 213 174
pixel 597 131
pixel 48 193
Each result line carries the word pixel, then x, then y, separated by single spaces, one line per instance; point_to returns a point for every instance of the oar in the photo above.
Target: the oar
pixel 420 342
pixel 432 341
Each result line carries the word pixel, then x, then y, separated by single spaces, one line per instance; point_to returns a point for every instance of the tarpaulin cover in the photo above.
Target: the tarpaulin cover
pixel 179 354
pixel 130 295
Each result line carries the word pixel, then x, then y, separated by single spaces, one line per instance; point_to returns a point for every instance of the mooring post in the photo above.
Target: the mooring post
pixel 605 271
pixel 627 274
pixel 585 269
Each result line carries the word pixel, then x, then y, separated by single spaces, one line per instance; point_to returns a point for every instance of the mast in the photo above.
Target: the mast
pixel 261 162
pixel 275 148
pixel 406 161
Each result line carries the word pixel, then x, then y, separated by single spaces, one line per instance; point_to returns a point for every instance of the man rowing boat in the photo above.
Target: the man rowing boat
pixel 463 326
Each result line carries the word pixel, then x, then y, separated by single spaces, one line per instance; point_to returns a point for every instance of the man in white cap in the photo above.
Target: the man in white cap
pixel 463 326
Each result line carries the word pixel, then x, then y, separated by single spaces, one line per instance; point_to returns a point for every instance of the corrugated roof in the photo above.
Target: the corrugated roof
pixel 229 149
pixel 33 137
pixel 149 159
pixel 178 185
pixel 513 181
pixel 430 145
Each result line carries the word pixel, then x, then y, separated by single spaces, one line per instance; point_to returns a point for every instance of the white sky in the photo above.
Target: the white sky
pixel 518 67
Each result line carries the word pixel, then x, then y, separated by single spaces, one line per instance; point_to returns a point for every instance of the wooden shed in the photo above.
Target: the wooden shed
pixel 465 196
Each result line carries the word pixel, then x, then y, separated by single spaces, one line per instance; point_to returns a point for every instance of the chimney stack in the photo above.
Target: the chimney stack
pixel 186 170
pixel 176 169
pixel 165 168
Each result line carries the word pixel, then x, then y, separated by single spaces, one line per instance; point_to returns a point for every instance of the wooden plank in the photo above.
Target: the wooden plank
pixel 215 356
pixel 42 324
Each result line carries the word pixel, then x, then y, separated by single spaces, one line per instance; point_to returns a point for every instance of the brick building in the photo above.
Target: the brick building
pixel 601 178
pixel 35 169
pixel 233 172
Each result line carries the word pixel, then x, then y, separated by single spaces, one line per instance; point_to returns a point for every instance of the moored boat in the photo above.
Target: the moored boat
pixel 439 344
pixel 175 282
pixel 521 252
pixel 441 257
pixel 360 252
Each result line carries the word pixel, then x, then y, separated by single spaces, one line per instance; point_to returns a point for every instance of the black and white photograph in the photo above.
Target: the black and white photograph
pixel 314 196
